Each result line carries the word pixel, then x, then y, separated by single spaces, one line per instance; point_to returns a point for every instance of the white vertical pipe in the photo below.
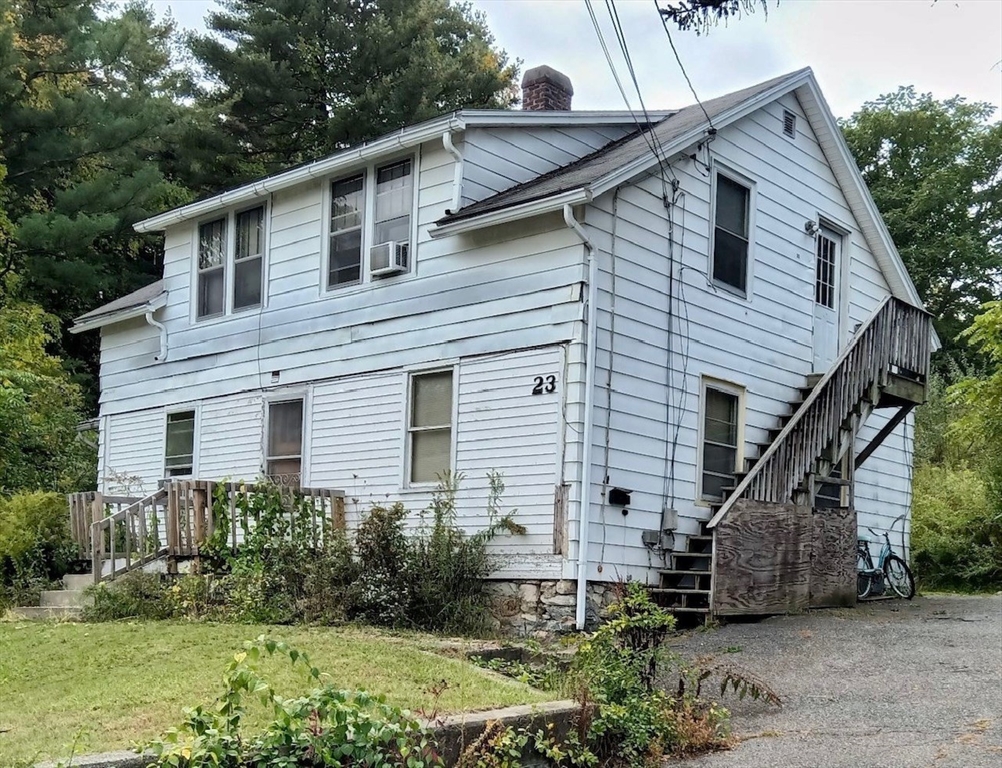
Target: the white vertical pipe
pixel 591 346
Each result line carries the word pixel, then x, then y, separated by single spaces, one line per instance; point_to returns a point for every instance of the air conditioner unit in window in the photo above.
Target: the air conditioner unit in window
pixel 387 259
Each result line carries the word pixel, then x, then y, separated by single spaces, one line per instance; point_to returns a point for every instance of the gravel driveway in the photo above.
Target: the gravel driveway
pixel 884 685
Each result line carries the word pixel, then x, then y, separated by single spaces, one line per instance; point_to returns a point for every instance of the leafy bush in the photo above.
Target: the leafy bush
pixel 325 727
pixel 956 537
pixel 35 545
pixel 625 668
pixel 288 571
pixel 136 595
pixel 450 568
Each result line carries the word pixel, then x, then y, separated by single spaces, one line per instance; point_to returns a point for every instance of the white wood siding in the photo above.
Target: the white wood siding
pixel 763 343
pixel 507 289
pixel 496 159
pixel 355 439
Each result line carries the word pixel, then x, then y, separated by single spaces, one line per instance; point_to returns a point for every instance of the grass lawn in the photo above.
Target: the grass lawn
pixel 94 687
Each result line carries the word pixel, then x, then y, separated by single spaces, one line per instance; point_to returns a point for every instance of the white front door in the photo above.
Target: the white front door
pixel 828 257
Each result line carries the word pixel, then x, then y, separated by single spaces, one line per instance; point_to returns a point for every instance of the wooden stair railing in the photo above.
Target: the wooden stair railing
pixel 121 534
pixel 129 538
pixel 896 340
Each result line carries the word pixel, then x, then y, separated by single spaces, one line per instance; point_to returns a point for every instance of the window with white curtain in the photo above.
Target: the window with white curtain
pixel 230 269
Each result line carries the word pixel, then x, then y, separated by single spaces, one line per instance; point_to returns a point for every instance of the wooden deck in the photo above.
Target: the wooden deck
pixel 119 534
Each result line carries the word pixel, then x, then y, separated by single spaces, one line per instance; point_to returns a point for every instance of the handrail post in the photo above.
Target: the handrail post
pixel 97 535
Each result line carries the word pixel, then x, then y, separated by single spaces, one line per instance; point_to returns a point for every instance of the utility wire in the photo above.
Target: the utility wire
pixel 644 130
pixel 664 23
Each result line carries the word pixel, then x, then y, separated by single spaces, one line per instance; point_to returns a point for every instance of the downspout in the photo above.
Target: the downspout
pixel 457 180
pixel 591 344
pixel 163 335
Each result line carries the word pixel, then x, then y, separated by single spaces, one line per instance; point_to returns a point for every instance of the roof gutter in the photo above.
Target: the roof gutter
pixel 141 310
pixel 591 348
pixel 404 138
pixel 515 213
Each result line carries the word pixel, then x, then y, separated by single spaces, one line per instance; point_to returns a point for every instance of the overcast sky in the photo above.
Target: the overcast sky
pixel 859 49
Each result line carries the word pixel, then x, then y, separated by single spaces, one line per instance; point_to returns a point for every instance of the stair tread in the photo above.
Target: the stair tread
pixel 685 609
pixel 692 554
pixel 679 591
pixel 674 572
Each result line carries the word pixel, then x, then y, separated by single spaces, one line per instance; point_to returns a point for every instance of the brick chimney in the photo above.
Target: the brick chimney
pixel 543 88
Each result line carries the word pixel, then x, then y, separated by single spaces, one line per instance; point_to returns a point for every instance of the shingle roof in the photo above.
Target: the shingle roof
pixel 581 173
pixel 137 298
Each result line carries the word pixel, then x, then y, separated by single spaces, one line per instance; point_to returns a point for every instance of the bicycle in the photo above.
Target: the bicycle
pixel 893 571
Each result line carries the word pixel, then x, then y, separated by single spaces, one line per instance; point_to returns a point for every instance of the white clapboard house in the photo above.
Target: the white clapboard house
pixel 663 337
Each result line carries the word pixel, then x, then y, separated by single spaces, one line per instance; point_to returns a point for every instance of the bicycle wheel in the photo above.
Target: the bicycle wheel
pixel 864 575
pixel 899 576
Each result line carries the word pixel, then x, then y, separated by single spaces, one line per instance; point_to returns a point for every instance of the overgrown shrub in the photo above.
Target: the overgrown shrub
pixel 326 727
pixel 35 545
pixel 625 668
pixel 956 538
pixel 136 595
pixel 450 567
pixel 288 570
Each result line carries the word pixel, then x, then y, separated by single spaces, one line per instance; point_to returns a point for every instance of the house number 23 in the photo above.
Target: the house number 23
pixel 545 384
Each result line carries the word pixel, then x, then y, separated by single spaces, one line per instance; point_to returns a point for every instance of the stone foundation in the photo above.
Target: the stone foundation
pixel 542 608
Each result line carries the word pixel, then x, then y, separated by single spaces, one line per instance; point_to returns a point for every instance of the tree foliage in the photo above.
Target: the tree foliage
pixel 39 408
pixel 935 171
pixel 298 79
pixel 700 16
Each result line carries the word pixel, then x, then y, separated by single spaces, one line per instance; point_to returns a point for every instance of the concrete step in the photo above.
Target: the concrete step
pixel 77 582
pixel 50 612
pixel 62 598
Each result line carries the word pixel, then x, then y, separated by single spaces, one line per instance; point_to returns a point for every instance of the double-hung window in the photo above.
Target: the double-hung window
pixel 731 215
pixel 230 263
pixel 284 459
pixel 429 430
pixel 368 209
pixel 347 220
pixel 720 449
pixel 394 197
pixel 179 449
pixel 248 258
pixel 212 268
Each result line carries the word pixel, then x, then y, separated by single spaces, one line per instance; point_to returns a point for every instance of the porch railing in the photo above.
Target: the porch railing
pixel 895 340
pixel 121 533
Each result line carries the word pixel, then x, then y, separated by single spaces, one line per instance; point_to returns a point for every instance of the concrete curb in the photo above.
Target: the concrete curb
pixel 453 733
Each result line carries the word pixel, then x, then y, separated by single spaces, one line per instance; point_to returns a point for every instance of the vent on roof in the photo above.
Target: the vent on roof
pixel 789 124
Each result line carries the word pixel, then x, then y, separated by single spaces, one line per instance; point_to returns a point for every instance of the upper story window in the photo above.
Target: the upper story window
pixel 370 224
pixel 731 228
pixel 230 263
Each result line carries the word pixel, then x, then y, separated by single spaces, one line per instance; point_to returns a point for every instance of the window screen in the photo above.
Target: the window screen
pixel 347 219
pixel 730 237
pixel 211 267
pixel 284 462
pixel 179 451
pixel 430 427
pixel 720 442
pixel 249 258
pixel 394 196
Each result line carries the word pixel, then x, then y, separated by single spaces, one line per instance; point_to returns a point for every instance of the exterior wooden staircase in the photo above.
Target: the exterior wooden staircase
pixel 885 366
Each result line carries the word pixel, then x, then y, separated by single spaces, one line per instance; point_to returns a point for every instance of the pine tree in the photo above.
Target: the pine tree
pixel 299 79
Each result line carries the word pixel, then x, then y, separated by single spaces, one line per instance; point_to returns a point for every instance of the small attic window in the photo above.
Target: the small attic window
pixel 789 124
